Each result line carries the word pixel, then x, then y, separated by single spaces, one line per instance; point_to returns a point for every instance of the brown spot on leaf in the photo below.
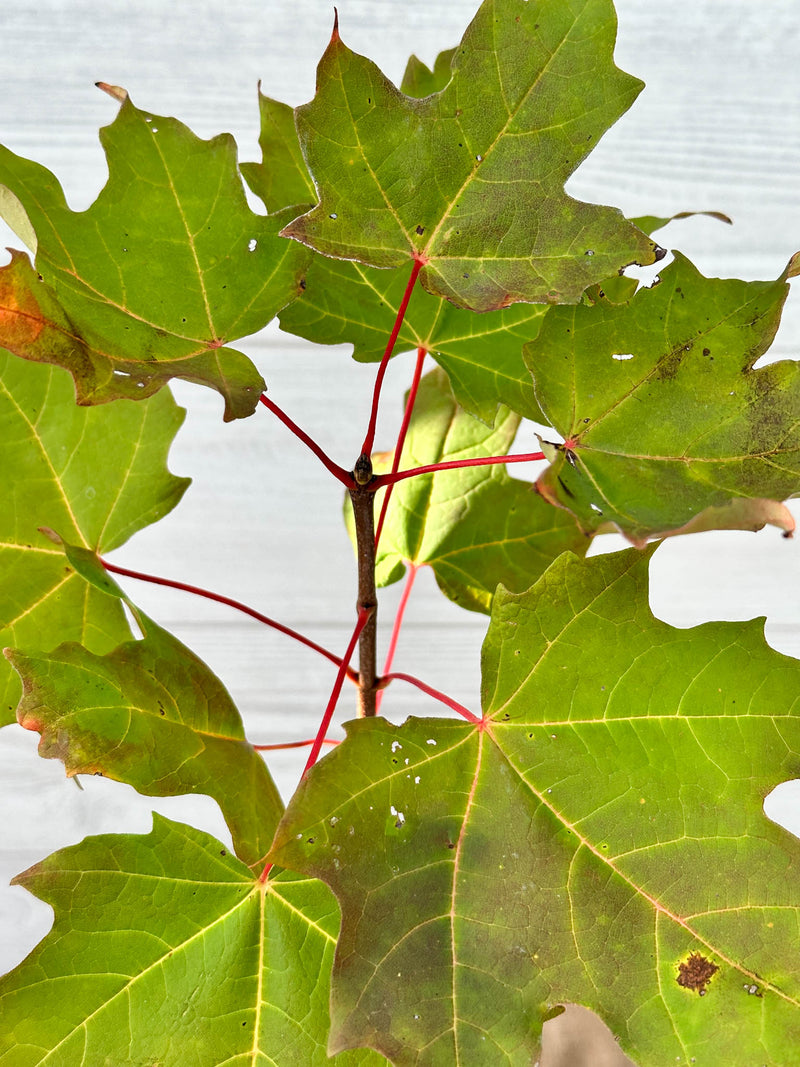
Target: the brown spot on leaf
pixel 696 972
pixel 669 364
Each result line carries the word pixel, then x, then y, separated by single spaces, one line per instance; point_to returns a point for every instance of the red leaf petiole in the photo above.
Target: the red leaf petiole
pixel 483 461
pixel 345 477
pixel 366 448
pixel 437 694
pixel 229 602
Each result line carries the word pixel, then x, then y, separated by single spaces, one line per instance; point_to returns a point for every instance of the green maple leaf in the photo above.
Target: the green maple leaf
pixel 282 178
pixel 350 303
pixel 151 714
pixel 476 527
pixel 599 839
pixel 470 180
pixel 97 475
pixel 165 268
pixel 662 413
pixel 166 951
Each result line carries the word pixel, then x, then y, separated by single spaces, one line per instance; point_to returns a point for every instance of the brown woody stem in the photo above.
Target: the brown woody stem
pixel 363 501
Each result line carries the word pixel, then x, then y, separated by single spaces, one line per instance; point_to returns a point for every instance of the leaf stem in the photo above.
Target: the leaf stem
pixel 436 693
pixel 345 477
pixel 361 622
pixel 366 447
pixel 401 437
pixel 411 574
pixel 229 602
pixel 482 461
pixel 293 744
pixel 320 739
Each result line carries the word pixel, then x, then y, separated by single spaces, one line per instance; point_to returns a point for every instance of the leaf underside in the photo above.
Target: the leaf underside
pixel 470 179
pixel 601 840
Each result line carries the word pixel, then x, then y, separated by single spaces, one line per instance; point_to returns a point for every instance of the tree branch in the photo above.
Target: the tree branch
pixel 363 501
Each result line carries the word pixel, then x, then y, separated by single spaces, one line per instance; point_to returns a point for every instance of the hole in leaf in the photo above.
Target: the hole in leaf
pixel 620 355
pixel 782 806
pixel 574 1034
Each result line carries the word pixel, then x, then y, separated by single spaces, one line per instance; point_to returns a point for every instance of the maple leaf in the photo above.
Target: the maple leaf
pixel 662 413
pixel 166 950
pixel 599 839
pixel 344 302
pixel 166 267
pixel 97 475
pixel 470 180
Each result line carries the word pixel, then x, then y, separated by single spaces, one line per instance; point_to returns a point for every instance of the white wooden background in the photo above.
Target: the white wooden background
pixel 718 127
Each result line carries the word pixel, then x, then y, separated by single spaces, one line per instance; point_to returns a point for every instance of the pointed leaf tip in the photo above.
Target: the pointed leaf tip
pixel 335 32
pixel 115 91
pixel 793 266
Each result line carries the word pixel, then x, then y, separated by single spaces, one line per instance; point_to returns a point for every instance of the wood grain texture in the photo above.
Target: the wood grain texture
pixel 718 127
